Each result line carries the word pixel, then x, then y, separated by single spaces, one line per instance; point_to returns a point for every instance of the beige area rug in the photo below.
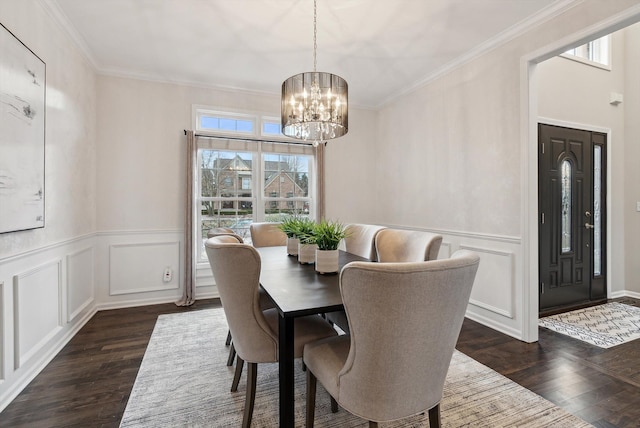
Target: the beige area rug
pixel 605 325
pixel 184 382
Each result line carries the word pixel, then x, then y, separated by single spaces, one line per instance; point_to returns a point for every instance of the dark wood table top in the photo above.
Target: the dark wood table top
pixel 297 289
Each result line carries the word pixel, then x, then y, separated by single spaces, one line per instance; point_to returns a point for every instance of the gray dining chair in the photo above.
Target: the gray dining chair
pixel 254 331
pixel 265 301
pixel 400 245
pixel 359 240
pixel 380 372
pixel 267 235
pixel 216 231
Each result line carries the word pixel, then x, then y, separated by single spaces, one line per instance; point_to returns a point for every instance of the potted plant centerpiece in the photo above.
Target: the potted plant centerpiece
pixel 328 235
pixel 306 235
pixel 290 225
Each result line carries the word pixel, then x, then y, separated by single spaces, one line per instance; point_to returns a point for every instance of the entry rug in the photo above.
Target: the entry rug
pixel 184 382
pixel 605 325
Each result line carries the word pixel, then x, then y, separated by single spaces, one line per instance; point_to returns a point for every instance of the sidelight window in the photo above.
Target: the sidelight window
pixel 597 210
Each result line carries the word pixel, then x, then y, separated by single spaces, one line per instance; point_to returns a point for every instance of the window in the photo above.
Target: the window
pixel 243 178
pixel 226 197
pixel 217 123
pixel 567 202
pixel 596 53
pixel 246 183
pixel 271 128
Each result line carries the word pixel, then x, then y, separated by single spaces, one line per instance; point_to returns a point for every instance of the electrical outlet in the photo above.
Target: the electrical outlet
pixel 168 275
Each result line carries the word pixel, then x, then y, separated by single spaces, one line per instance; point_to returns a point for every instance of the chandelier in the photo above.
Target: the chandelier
pixel 314 104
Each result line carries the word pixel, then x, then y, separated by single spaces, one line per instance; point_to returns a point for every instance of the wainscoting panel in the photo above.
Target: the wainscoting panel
pixel 37 295
pixel 139 267
pixel 494 285
pixel 445 250
pixel 3 346
pixel 80 282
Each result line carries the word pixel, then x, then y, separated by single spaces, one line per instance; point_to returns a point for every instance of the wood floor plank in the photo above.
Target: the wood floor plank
pixel 88 383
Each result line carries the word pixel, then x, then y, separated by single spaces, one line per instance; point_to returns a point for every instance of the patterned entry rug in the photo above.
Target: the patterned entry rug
pixel 604 325
pixel 184 382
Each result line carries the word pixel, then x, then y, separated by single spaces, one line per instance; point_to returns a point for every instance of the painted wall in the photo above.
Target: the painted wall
pixel 632 158
pixel 447 157
pixel 47 275
pixel 459 166
pixel 574 92
pixel 70 129
pixel 141 171
pixel 350 196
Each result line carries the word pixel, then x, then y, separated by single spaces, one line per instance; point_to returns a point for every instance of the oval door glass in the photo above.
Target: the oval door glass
pixel 566 205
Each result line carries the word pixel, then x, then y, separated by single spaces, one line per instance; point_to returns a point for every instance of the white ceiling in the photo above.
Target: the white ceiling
pixel 381 47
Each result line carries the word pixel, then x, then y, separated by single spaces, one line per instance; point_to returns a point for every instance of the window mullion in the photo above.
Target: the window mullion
pixel 258 185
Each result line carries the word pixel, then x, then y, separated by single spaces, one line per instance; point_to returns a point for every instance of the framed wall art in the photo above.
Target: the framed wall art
pixel 22 130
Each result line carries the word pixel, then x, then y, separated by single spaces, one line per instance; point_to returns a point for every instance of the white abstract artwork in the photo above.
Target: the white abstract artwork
pixel 22 121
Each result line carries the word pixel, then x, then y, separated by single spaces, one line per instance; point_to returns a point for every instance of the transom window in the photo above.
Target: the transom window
pixel 596 52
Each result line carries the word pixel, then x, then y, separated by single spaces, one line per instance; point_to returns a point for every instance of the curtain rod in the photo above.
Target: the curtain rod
pixel 264 140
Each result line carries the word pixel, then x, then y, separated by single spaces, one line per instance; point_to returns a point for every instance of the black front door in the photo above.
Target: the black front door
pixel 571 196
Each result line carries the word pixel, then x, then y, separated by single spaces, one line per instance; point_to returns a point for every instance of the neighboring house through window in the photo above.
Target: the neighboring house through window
pixel 256 178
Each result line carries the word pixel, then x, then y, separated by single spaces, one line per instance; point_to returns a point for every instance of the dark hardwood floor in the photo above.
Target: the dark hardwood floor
pixel 88 383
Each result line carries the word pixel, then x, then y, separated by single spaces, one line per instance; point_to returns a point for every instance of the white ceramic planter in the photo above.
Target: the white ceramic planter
pixel 292 246
pixel 327 261
pixel 307 253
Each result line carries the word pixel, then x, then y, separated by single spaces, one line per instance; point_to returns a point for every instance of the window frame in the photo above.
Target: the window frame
pixel 604 46
pixel 259 146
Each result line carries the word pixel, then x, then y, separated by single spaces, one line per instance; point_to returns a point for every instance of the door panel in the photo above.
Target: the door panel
pixel 566 203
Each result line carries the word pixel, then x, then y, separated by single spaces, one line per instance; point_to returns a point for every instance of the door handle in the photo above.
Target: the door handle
pixel 588 226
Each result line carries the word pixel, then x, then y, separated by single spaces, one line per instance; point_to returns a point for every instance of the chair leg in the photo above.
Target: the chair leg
pixel 252 375
pixel 238 373
pixel 232 355
pixel 228 341
pixel 334 405
pixel 434 417
pixel 311 399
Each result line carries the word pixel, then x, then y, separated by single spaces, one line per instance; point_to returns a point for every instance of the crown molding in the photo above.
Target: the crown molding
pixel 53 9
pixel 543 15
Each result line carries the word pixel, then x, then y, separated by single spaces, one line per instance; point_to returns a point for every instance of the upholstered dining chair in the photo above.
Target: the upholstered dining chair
pixel 399 245
pixel 254 331
pixel 267 235
pixel 382 373
pixel 359 240
pixel 265 301
pixel 216 231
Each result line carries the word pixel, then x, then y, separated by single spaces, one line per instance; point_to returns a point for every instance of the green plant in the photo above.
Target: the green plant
pixel 328 234
pixel 306 231
pixel 290 225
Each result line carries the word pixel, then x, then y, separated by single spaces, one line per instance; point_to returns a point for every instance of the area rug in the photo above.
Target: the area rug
pixel 184 382
pixel 605 325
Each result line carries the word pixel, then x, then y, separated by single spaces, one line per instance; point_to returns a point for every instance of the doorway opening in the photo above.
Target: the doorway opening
pixel 572 183
pixel 529 138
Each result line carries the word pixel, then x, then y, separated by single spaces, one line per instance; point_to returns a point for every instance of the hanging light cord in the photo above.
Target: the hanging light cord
pixel 315 34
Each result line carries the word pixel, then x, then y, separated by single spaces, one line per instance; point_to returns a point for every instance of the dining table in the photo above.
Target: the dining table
pixel 297 290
